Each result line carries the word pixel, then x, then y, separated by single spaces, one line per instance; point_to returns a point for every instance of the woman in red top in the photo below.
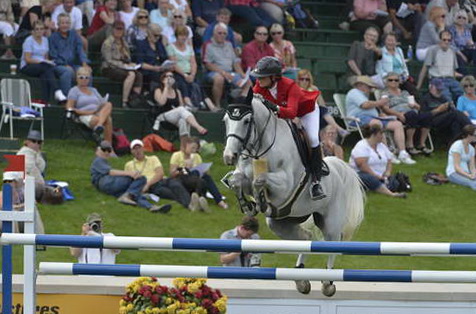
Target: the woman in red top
pixel 101 25
pixel 290 101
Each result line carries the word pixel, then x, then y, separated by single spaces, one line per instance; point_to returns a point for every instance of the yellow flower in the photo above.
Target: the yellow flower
pixel 199 310
pixel 129 307
pixel 155 310
pixel 168 301
pixel 171 308
pixel 122 310
pixel 163 311
pixel 221 305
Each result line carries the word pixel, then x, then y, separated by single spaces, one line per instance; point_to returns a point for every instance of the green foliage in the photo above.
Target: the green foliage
pixel 439 214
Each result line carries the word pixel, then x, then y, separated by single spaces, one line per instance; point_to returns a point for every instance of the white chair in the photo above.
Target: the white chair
pixel 339 100
pixel 15 94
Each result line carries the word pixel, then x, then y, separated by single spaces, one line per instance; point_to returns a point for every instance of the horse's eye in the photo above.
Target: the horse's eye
pixel 247 121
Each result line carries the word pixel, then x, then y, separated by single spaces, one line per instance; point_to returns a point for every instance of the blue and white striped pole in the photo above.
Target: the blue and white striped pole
pixel 261 246
pixel 259 273
pixel 7 227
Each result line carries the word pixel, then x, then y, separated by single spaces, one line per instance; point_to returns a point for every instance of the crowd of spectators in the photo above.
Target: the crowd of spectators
pixel 153 51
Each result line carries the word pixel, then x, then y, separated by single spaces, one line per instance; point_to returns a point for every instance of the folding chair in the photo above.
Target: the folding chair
pixel 339 100
pixel 15 98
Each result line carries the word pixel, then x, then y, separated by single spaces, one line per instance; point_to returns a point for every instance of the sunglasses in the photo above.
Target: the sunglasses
pixel 261 34
pixel 119 28
pixel 169 75
pixel 468 85
pixel 276 33
pixel 446 40
pixel 222 33
pixel 106 150
pixel 83 77
pixel 36 141
pixel 178 17
pixel 142 17
pixel 393 80
pixel 39 29
pixel 305 79
pixel 461 17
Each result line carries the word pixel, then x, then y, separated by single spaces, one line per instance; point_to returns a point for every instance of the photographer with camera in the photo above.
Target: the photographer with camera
pixel 248 229
pixel 94 227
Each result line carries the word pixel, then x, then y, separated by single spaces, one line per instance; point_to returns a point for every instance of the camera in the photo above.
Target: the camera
pixel 95 226
pixel 255 260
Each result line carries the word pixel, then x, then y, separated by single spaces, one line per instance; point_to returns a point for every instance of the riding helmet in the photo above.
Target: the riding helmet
pixel 267 66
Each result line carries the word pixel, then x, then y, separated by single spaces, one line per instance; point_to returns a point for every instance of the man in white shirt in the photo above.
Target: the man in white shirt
pixel 93 227
pixel 76 18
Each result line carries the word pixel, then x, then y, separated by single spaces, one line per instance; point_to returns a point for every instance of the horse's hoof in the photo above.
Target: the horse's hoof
pixel 303 286
pixel 328 289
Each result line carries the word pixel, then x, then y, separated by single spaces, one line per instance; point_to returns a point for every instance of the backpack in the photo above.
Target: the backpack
pixel 399 182
pixel 120 142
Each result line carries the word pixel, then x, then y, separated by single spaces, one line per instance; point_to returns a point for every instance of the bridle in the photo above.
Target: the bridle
pixel 251 150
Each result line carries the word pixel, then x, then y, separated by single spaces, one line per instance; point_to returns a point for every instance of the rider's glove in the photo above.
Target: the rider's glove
pixel 272 106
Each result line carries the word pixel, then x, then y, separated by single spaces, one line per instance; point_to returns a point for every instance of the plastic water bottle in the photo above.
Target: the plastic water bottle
pixel 410 53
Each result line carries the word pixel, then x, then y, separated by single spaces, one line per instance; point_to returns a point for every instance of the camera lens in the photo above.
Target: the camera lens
pixel 96 227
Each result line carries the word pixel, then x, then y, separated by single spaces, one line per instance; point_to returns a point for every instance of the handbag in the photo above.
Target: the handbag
pixel 137 101
pixel 399 182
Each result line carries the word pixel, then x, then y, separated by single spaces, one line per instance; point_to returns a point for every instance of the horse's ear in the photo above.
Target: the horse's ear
pixel 249 97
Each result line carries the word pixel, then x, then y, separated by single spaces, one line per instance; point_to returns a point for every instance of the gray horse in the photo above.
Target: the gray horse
pixel 254 132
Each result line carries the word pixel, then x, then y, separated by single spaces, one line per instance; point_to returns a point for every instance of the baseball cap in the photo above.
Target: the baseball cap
pixel 34 135
pixel 12 175
pixel 437 82
pixel 136 142
pixel 105 145
pixel 93 217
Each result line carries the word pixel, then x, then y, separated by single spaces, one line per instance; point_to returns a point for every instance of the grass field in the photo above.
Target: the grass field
pixel 443 213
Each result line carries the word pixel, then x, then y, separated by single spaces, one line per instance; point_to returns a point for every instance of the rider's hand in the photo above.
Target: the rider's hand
pixel 273 107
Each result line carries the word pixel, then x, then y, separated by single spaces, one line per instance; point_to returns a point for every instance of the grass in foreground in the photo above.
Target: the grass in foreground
pixel 430 214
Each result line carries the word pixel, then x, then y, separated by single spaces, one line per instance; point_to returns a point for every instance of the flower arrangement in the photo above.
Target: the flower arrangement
pixel 188 296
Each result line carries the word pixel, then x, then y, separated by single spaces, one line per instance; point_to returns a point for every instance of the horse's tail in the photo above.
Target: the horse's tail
pixel 354 194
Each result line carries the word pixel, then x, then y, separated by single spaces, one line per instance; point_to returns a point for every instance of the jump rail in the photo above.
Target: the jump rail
pixel 262 246
pixel 422 276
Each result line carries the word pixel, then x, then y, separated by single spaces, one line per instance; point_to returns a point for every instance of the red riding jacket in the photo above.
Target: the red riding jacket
pixel 292 100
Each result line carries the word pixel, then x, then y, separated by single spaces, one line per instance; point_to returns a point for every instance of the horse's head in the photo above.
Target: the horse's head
pixel 238 120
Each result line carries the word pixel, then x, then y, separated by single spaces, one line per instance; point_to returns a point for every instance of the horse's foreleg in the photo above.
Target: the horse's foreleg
pixel 241 185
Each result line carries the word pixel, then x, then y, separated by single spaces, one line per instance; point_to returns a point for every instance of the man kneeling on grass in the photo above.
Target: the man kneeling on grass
pixel 126 185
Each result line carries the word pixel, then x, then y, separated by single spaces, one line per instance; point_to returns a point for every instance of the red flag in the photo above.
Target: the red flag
pixel 15 163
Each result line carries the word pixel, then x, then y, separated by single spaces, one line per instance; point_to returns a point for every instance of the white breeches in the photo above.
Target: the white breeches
pixel 311 123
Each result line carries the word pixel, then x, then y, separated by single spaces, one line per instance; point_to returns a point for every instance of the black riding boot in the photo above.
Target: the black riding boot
pixel 316 174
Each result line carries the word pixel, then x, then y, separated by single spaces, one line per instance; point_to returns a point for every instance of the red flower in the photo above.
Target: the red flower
pixel 219 293
pixel 214 296
pixel 155 298
pixel 198 294
pixel 207 303
pixel 147 294
pixel 153 278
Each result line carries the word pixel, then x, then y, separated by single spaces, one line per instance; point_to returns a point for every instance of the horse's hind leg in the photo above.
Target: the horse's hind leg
pixel 291 230
pixel 328 287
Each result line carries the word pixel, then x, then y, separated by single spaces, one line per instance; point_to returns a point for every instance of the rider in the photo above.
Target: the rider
pixel 289 101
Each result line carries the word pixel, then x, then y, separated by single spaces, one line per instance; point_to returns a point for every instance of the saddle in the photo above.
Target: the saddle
pixel 303 146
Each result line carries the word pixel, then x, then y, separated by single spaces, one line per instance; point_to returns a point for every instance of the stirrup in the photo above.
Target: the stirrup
pixel 316 191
